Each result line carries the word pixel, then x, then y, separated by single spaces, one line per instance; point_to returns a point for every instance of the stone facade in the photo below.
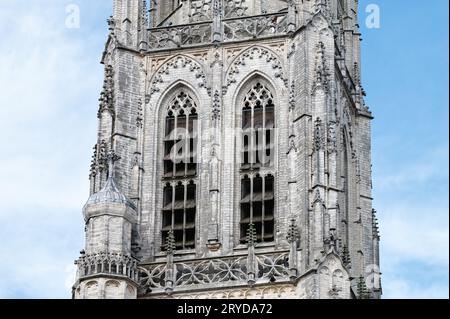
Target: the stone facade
pixel 325 234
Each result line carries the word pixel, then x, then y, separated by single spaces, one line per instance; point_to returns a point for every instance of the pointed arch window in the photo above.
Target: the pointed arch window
pixel 180 171
pixel 257 179
pixel 258 128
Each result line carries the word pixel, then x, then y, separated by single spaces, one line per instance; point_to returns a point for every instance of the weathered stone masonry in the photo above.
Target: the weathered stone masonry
pixel 306 53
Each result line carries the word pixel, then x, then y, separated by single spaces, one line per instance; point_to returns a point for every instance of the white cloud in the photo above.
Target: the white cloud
pixel 417 232
pixel 37 248
pixel 50 79
pixel 404 289
pixel 432 164
pixel 415 238
pixel 413 210
pixel 48 103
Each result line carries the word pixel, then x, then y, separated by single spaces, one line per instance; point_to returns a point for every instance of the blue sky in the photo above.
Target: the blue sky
pixel 50 79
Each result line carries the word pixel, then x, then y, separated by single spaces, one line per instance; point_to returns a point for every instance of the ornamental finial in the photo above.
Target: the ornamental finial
pixel 111 158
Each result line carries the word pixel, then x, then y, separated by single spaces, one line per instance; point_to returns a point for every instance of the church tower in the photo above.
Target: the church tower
pixel 234 154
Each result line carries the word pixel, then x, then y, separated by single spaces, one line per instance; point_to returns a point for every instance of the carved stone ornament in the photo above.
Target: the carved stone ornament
pixel 198 274
pixel 180 61
pixel 254 54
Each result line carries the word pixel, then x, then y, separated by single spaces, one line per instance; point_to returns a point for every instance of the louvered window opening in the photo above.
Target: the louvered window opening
pixel 180 172
pixel 257 201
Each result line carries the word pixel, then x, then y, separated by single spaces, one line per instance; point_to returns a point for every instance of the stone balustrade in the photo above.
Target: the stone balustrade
pixel 114 264
pixel 239 270
pixel 204 32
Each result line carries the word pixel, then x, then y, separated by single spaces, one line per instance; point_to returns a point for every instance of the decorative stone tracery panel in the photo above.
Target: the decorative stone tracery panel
pixel 197 274
pixel 164 74
pixel 178 36
pixel 208 19
pixel 256 58
pixel 252 27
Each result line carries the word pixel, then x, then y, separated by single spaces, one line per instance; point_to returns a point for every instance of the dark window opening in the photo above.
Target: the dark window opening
pixel 257 207
pixel 179 213
pixel 257 129
pixel 180 143
pixel 258 142
pixel 179 205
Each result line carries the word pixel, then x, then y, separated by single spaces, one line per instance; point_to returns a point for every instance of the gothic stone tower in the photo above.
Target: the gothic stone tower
pixel 233 156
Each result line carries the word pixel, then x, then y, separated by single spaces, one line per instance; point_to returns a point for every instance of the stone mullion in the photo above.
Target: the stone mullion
pixel 175 138
pixel 252 158
pixel 263 194
pixel 251 198
pixel 187 144
pixel 184 213
pixel 263 141
pixel 174 189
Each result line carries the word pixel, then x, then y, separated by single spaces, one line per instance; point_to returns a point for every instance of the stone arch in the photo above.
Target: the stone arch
pixel 319 24
pixel 91 290
pixel 154 131
pixel 324 281
pixel 272 65
pixel 181 67
pixel 112 289
pixel 130 292
pixel 218 295
pixel 338 280
pixel 255 61
pixel 251 293
pixel 171 91
pixel 238 103
pixel 242 89
pixel 333 278
pixel 246 82
pixel 324 271
pixel 271 292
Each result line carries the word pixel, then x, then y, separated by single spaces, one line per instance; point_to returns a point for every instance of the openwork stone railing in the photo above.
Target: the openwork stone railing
pixel 107 264
pixel 178 36
pixel 257 26
pixel 199 274
pixel 231 29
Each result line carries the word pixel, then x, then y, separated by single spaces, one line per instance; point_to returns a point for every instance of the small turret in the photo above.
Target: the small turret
pixel 106 268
